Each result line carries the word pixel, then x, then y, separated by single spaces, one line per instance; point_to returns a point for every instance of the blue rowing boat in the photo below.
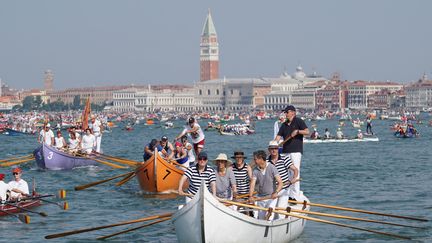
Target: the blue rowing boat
pixel 12 132
pixel 52 159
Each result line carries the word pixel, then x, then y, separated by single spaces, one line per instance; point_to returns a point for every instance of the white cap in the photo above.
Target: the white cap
pixel 48 125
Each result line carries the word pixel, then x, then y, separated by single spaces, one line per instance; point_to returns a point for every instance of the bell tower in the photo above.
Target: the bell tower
pixel 209 51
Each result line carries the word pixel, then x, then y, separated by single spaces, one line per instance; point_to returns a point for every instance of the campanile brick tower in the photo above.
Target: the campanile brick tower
pixel 209 51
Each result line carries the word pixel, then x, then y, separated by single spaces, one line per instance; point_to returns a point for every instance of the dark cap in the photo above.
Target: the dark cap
pixel 202 155
pixel 238 154
pixel 289 108
pixel 191 120
pixel 164 138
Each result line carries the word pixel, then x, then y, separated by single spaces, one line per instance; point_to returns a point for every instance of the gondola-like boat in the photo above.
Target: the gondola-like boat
pixel 205 219
pixel 52 159
pixel 341 140
pixel 157 175
pixel 6 209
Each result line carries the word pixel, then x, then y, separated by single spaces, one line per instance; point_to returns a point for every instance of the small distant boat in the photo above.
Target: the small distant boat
pixel 149 122
pixel 205 219
pixel 404 135
pixel 52 159
pixel 158 175
pixel 12 132
pixel 342 140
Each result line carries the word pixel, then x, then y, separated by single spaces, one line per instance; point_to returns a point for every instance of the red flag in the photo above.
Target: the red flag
pixel 86 113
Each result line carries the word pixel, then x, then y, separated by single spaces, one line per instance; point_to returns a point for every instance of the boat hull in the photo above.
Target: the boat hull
pixel 156 175
pixel 204 219
pixel 52 159
pixel 343 140
pixel 23 204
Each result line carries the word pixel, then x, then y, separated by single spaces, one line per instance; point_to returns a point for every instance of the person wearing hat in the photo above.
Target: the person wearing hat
pixel 242 173
pixel 4 188
pixel 189 148
pixel 196 133
pixel 88 142
pixel 339 133
pixel 286 170
pixel 181 155
pixel 278 123
pixel 97 129
pixel 266 181
pixel 314 134
pixel 201 171
pixel 46 135
pixel 225 179
pixel 19 187
pixel 292 132
pixel 165 148
pixel 359 134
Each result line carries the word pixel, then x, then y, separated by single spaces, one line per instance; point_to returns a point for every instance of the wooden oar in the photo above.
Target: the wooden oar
pixel 21 217
pixel 64 205
pixel 348 217
pixel 319 220
pixel 359 210
pixel 82 187
pixel 16 158
pixel 6 164
pixel 177 163
pixel 43 214
pixel 129 230
pixel 73 232
pixel 119 160
pixel 126 179
pixel 109 164
pixel 286 140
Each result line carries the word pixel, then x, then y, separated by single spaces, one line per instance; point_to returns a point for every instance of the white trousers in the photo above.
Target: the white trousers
pixel 282 201
pixel 295 189
pixel 269 203
pixel 98 143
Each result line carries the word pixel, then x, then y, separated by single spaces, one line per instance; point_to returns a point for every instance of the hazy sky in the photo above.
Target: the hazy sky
pixel 105 42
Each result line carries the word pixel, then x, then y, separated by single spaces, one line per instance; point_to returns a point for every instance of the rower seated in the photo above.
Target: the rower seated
pixel 18 187
pixel 4 188
pixel 339 133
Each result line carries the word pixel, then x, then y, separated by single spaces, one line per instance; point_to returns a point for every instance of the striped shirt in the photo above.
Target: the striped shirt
pixel 195 177
pixel 242 178
pixel 282 165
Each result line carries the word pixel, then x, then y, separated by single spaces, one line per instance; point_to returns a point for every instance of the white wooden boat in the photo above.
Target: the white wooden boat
pixel 343 140
pixel 205 219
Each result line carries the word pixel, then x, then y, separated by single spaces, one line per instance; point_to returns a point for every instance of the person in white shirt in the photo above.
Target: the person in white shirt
pixel 88 142
pixel 46 136
pixel 60 142
pixel 3 188
pixel 97 128
pixel 359 134
pixel 74 142
pixel 278 123
pixel 18 187
pixel 339 133
pixel 196 133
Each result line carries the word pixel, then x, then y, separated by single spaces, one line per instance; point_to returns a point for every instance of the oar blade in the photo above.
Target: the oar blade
pixel 65 206
pixel 43 214
pixel 24 218
pixel 62 194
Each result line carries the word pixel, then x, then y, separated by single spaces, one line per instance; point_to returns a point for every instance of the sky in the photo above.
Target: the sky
pixel 107 42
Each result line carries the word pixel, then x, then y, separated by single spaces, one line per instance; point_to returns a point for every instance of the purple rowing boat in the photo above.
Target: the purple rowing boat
pixel 10 209
pixel 52 159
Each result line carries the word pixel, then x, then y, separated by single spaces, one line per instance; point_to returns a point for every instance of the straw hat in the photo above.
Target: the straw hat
pixel 223 157
pixel 273 144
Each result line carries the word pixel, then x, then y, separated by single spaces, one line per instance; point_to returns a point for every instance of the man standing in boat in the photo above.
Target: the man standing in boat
pixel 18 187
pixel 196 133
pixel 46 135
pixel 97 128
pixel 292 132
pixel 267 182
pixel 195 175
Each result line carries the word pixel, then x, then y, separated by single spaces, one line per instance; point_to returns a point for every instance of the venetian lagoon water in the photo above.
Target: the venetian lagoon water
pixel 392 176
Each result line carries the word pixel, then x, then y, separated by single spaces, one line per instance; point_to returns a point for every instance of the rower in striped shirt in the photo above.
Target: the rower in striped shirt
pixel 242 173
pixel 283 165
pixel 201 171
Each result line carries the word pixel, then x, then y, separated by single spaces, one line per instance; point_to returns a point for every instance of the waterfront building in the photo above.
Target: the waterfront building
pixel 98 95
pixel 419 94
pixel 358 92
pixel 209 51
pixel 333 96
pixel 178 98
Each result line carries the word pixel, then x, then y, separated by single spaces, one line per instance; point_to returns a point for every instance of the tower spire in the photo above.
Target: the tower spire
pixel 209 51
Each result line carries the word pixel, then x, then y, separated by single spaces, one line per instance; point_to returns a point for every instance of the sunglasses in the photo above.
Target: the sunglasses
pixel 202 158
pixel 15 173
